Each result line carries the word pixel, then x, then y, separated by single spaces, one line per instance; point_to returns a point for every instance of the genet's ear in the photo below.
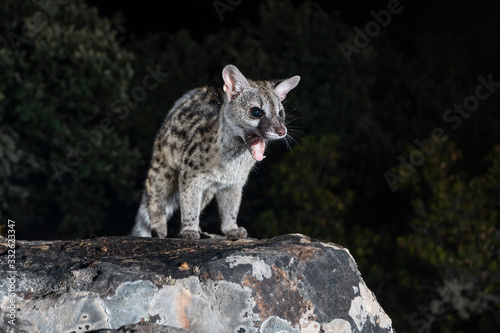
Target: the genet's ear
pixel 285 86
pixel 234 81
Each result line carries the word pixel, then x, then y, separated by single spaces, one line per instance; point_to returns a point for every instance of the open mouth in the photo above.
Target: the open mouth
pixel 257 147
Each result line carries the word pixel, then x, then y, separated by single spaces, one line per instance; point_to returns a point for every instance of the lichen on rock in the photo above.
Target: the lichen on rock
pixel 289 283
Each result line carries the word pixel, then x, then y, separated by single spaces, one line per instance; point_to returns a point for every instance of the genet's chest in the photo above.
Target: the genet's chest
pixel 234 170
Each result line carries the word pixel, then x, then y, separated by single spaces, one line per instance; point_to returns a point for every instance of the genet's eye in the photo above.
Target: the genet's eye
pixel 256 112
pixel 281 114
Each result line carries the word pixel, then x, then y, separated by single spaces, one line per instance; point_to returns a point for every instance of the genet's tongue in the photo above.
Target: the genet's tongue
pixel 258 147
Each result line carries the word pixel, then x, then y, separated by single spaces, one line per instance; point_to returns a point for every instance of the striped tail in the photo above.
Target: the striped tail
pixel 142 226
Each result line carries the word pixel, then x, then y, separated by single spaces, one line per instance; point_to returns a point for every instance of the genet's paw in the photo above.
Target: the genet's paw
pixel 190 234
pixel 237 233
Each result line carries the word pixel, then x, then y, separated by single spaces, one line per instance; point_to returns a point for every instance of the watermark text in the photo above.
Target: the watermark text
pixel 453 116
pixel 11 272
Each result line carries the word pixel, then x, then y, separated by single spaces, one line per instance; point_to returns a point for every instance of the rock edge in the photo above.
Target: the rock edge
pixel 289 283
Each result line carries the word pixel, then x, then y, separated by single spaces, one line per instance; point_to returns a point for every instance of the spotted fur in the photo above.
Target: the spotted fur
pixel 206 148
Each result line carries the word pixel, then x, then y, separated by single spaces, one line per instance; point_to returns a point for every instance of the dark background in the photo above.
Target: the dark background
pixel 428 246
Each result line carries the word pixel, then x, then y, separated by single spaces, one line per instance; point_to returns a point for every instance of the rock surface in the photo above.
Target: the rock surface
pixel 123 284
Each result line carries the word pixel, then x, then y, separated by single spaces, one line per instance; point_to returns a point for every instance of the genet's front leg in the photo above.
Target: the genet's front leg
pixel 229 199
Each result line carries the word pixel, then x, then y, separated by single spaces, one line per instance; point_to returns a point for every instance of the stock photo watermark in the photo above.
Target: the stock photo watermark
pixel 121 108
pixel 373 28
pixel 10 311
pixel 223 6
pixel 35 24
pixel 450 296
pixel 453 116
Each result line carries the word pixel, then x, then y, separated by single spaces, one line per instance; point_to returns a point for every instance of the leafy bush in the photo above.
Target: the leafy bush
pixel 455 236
pixel 307 193
pixel 62 68
pixel 433 245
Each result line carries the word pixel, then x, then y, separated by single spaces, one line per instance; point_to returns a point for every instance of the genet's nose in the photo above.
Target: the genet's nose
pixel 281 131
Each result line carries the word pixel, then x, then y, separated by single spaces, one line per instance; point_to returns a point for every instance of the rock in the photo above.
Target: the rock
pixel 124 284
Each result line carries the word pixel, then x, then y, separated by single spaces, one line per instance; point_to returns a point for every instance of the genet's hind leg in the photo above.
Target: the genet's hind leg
pixel 171 205
pixel 190 197
pixel 157 188
pixel 157 216
pixel 169 208
pixel 163 195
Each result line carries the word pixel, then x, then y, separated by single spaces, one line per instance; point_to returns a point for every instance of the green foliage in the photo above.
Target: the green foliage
pixel 430 249
pixel 455 234
pixel 312 198
pixel 59 78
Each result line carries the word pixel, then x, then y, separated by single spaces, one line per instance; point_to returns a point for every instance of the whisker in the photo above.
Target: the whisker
pixel 291 138
pixel 294 126
pixel 290 119
pixel 289 112
pixel 287 143
pixel 294 130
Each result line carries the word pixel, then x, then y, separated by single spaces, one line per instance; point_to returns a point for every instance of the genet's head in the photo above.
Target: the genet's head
pixel 254 109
